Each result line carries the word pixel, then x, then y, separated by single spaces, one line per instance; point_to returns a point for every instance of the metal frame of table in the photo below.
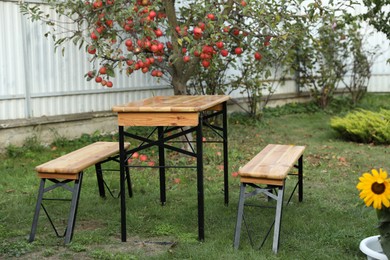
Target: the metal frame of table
pixel 167 114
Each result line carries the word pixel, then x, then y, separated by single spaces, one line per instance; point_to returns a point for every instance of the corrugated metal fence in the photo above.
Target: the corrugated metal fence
pixel 35 81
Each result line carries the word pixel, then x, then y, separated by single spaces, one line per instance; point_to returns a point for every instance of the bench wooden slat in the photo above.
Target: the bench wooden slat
pixel 77 161
pixel 273 162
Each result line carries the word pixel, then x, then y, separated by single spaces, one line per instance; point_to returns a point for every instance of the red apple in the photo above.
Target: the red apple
pixel 135 155
pixel 91 74
pixel 143 158
pixel 98 79
pixel 152 15
pixel 103 70
pixel 100 29
pixel 207 49
pixel 129 62
pixel 224 53
pixel 94 36
pixel 109 23
pixel 198 32
pixel 202 25
pixel 158 32
pixel 205 63
pixel 211 17
pixel 154 48
pixel 258 56
pixel 151 60
pixel 238 50
pixel 97 4
pixel 109 84
pixel 219 45
pixel 160 46
pixel 91 49
pixel 186 58
pixel 129 43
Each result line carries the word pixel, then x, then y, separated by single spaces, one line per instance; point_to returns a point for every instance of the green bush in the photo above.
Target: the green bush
pixel 364 126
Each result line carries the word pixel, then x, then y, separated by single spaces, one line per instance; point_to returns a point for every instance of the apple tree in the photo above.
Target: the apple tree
pixel 175 40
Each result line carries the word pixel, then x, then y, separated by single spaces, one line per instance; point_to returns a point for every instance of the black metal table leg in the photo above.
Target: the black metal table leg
pixel 199 169
pixel 161 156
pixel 225 154
pixel 122 158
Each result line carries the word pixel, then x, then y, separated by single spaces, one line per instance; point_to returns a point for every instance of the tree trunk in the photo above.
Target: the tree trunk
pixel 179 84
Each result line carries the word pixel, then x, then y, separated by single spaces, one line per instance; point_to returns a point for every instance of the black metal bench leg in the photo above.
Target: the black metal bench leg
pixel 100 180
pixel 37 210
pixel 73 208
pixel 278 219
pixel 240 213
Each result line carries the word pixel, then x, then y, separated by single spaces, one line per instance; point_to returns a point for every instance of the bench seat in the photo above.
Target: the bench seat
pixel 269 167
pixel 69 165
pixel 69 168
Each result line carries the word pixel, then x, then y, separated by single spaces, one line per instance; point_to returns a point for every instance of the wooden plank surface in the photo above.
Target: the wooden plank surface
pixel 273 162
pixel 77 161
pixel 158 119
pixel 179 103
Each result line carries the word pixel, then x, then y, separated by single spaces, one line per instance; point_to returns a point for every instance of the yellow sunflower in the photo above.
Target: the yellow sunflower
pixel 375 188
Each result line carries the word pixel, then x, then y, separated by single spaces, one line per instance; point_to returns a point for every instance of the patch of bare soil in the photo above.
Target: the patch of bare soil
pixel 134 247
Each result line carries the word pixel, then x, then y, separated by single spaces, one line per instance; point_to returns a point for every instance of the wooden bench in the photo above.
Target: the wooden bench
pixel 69 168
pixel 266 172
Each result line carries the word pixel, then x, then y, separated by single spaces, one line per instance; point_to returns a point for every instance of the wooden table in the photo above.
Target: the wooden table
pixel 173 117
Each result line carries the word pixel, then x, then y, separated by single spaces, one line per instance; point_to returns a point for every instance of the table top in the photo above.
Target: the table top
pixel 179 103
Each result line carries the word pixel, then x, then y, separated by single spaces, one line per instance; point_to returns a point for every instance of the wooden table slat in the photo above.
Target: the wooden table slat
pixel 179 103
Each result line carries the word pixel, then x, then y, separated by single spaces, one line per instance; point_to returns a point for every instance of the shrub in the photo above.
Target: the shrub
pixel 364 126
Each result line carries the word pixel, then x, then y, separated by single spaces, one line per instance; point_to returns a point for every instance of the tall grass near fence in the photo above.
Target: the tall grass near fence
pixel 328 224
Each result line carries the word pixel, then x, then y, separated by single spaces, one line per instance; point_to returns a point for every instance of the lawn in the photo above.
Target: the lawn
pixel 328 224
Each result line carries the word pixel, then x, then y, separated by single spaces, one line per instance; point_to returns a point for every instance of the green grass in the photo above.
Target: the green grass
pixel 328 224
